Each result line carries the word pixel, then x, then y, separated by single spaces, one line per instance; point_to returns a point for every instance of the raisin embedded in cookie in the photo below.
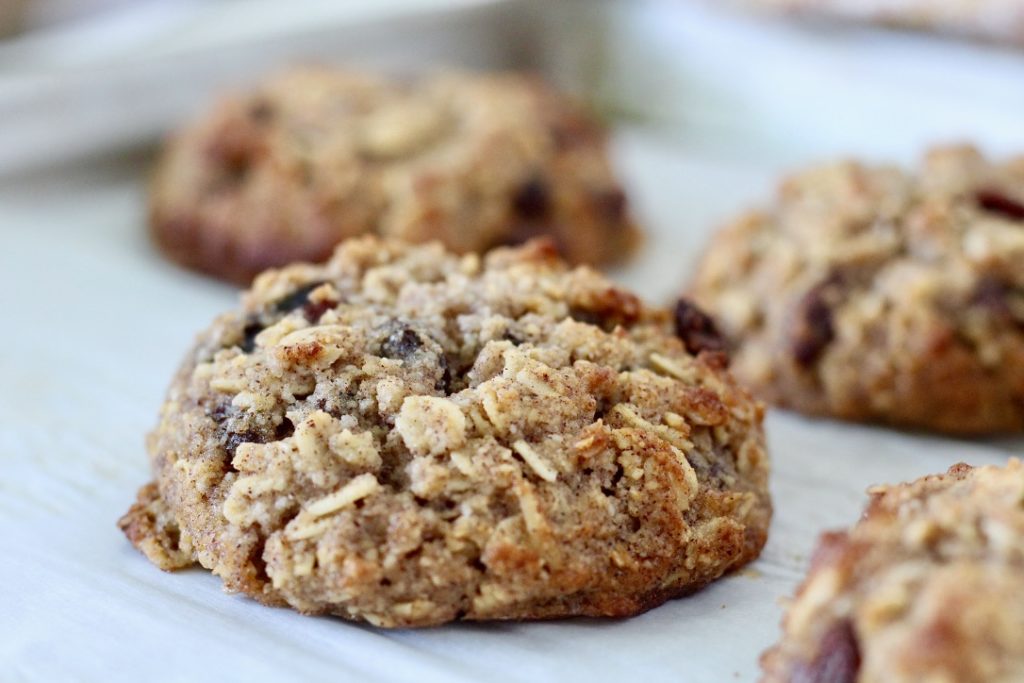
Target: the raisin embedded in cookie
pixel 996 20
pixel 316 155
pixel 928 586
pixel 875 294
pixel 408 437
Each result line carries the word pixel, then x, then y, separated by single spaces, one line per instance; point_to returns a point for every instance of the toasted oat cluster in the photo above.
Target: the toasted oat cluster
pixel 317 155
pixel 995 20
pixel 408 437
pixel 873 293
pixel 928 586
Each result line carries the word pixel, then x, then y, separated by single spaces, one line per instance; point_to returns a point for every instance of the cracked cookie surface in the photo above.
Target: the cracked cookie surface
pixel 928 586
pixel 408 437
pixel 313 156
pixel 875 294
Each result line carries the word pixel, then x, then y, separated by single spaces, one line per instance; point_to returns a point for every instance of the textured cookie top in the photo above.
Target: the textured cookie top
pixel 928 586
pixel 875 293
pixel 314 155
pixel 408 437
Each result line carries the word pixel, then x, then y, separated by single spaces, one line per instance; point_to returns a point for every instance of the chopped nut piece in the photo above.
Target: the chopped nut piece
pixel 535 461
pixel 357 489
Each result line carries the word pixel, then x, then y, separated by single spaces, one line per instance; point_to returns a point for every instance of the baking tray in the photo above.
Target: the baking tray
pixel 709 109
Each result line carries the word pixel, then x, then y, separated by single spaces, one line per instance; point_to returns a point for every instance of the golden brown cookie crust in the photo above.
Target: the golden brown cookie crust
pixel 316 155
pixel 408 437
pixel 871 293
pixel 928 586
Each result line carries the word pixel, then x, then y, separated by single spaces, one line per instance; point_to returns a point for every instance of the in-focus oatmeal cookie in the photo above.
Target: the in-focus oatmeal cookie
pixel 928 586
pixel 996 20
pixel 871 293
pixel 409 437
pixel 316 155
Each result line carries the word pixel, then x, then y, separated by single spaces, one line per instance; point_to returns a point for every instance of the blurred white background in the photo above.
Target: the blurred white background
pixel 87 76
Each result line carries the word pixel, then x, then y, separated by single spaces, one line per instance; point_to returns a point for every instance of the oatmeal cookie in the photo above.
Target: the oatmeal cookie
pixel 317 155
pixel 995 20
pixel 928 586
pixel 407 437
pixel 871 293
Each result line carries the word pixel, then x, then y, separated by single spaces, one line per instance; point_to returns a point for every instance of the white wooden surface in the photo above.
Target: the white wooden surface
pixel 94 322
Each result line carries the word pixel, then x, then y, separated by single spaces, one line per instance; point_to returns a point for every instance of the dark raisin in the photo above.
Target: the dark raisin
pixel 284 430
pixel 697 329
pixel 612 205
pixel 995 201
pixel 261 111
pixel 837 661
pixel 401 344
pixel 233 153
pixel 218 413
pixel 533 200
pixel 813 327
pixel 234 440
pixel 235 173
pixel 311 310
pixel 586 316
pixel 817 332
pixel 314 309
pixel 299 297
pixel 993 295
pixel 252 328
